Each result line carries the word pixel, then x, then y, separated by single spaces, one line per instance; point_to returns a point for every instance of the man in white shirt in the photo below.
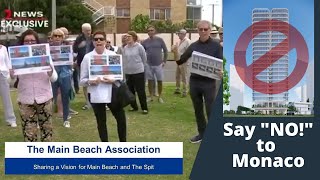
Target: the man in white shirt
pixel 5 65
pixel 214 33
pixel 221 36
pixel 181 71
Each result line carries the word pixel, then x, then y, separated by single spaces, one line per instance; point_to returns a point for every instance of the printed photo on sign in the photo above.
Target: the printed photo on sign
pixel 66 49
pixel 99 60
pixel 39 50
pixel 62 55
pixel 99 70
pixel 202 67
pixel 195 65
pixel 61 59
pixel 113 72
pixel 114 59
pixel 269 61
pixel 30 65
pixel 104 65
pixel 54 50
pixel 205 65
pixel 19 51
pixel 210 69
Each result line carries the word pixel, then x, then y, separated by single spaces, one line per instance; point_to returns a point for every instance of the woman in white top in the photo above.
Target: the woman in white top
pixel 5 65
pixel 104 84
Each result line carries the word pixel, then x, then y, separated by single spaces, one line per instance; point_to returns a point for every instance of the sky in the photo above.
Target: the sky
pixel 237 16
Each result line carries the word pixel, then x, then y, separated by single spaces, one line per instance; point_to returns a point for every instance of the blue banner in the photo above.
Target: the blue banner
pixel 94 166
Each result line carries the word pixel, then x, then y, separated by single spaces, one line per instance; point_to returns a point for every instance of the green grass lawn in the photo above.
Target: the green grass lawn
pixel 279 116
pixel 172 121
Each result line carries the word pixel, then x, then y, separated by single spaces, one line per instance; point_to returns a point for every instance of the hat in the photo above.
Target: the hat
pixel 221 30
pixel 214 30
pixel 65 31
pixel 182 31
pixel 22 30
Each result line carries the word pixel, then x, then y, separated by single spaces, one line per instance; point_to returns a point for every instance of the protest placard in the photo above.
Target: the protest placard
pixel 205 65
pixel 106 65
pixel 28 59
pixel 61 55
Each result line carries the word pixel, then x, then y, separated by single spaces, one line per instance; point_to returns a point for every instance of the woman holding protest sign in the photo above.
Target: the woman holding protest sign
pixel 35 97
pixel 63 84
pixel 100 91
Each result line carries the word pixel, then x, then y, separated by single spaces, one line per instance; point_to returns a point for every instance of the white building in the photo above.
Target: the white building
pixel 303 107
pixel 236 89
pixel 304 93
pixel 210 10
pixel 310 83
pixel 269 103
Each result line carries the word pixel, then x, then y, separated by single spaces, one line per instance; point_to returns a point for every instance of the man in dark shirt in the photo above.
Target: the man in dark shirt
pixel 202 87
pixel 83 45
pixel 221 36
pixel 108 45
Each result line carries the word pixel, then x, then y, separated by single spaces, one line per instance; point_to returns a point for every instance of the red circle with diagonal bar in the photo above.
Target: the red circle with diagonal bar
pixel 248 74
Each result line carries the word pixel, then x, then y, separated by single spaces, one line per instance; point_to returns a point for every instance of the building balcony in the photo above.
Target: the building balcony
pixel 194 3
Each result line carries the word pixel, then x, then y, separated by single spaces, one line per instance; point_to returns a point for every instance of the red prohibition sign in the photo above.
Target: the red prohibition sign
pixel 248 73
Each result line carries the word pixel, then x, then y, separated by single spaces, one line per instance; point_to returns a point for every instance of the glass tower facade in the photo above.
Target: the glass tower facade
pixel 270 103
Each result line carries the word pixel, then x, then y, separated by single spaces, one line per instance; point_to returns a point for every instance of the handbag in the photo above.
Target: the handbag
pixel 15 85
pixel 121 95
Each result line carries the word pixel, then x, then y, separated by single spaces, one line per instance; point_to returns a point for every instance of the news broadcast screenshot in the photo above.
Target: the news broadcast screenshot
pixel 151 89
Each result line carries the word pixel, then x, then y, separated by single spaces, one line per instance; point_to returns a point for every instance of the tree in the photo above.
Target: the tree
pixel 226 88
pixel 72 16
pixel 274 112
pixel 292 108
pixel 160 26
pixel 242 108
pixel 21 5
pixel 189 25
pixel 140 23
pixel 239 112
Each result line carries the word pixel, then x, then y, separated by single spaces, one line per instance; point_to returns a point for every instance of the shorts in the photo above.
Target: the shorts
pixel 154 72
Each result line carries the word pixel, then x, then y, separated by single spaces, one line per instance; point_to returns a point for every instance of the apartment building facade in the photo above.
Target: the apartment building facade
pixel 270 103
pixel 236 89
pixel 114 16
pixel 210 10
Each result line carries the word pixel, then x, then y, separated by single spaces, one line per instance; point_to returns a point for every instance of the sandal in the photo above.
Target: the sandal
pixel 85 107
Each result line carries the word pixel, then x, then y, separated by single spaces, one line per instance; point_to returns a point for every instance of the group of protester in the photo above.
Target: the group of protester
pixel 141 61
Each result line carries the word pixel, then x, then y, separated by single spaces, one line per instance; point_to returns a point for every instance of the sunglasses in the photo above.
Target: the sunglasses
pixel 108 42
pixel 97 39
pixel 29 41
pixel 203 29
pixel 57 35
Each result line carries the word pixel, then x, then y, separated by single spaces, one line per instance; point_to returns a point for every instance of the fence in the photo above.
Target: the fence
pixel 169 38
